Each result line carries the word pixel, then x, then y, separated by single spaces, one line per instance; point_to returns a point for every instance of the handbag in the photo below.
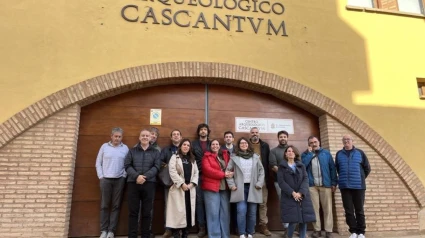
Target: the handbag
pixel 164 176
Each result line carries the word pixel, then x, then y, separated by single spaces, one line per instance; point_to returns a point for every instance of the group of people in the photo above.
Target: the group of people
pixel 213 184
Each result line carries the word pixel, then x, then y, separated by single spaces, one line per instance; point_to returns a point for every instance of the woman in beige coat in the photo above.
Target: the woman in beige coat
pixel 182 195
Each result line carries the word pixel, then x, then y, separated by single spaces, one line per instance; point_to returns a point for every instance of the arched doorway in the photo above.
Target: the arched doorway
pixel 183 107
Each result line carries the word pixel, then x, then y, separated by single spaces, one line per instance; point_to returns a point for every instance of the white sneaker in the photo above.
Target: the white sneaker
pixel 110 235
pixel 242 236
pixel 103 234
pixel 249 236
pixel 354 235
pixel 361 236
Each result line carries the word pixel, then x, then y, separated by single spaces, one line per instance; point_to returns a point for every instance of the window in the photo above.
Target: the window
pixel 360 3
pixel 421 88
pixel 413 6
pixel 402 6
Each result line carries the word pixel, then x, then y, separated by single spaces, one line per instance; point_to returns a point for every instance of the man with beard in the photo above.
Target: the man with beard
pixel 276 156
pixel 200 146
pixel 228 139
pixel 322 179
pixel 263 149
pixel 166 154
pixel 229 146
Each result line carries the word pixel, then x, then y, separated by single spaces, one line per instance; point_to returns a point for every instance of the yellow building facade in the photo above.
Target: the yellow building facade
pixel 357 69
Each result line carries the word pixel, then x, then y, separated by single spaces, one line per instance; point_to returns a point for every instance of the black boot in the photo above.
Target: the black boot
pixel 176 233
pixel 185 232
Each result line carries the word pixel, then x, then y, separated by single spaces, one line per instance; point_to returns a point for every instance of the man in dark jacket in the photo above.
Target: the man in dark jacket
pixel 228 142
pixel 276 156
pixel 142 164
pixel 154 137
pixel 263 149
pixel 353 168
pixel 166 153
pixel 200 146
pixel 322 178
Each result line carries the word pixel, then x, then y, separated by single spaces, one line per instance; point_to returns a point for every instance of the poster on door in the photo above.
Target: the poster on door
pixel 155 117
pixel 264 125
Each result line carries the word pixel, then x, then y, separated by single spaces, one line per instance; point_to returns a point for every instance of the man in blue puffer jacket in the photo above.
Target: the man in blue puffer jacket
pixel 322 180
pixel 353 168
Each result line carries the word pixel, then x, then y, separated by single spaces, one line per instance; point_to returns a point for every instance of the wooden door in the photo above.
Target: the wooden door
pixel 226 103
pixel 183 107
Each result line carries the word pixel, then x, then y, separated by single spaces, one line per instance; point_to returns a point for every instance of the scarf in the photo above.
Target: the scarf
pixel 246 154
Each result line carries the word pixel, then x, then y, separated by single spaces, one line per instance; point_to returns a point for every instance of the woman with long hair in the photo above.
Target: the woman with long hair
pixel 295 203
pixel 216 193
pixel 182 194
pixel 245 185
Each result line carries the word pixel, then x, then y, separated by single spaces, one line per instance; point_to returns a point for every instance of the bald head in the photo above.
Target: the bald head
pixel 347 141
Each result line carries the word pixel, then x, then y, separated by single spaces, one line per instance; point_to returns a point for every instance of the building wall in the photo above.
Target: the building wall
pixel 368 62
pixel 36 178
pixel 37 174
pixel 389 206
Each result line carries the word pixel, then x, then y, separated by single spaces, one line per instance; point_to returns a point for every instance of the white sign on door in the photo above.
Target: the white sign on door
pixel 265 125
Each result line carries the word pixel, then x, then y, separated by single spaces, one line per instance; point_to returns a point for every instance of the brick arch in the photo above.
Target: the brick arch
pixel 118 82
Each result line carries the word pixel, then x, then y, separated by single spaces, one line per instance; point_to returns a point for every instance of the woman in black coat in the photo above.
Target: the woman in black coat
pixel 295 204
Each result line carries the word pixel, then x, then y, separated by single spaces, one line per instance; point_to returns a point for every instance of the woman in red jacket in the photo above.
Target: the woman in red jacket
pixel 216 193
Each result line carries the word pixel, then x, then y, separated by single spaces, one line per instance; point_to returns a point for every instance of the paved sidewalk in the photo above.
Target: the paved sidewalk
pixel 280 235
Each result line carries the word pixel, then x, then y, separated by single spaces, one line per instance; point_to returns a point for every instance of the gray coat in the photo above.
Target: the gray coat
pixel 257 179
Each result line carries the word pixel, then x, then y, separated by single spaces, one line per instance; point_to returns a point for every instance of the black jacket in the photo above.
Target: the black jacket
pixel 265 152
pixel 289 181
pixel 199 153
pixel 142 162
pixel 223 147
pixel 166 154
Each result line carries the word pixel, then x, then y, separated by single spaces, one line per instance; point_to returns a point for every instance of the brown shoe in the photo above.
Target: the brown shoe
pixel 202 232
pixel 167 233
pixel 329 235
pixel 285 234
pixel 264 230
pixel 315 234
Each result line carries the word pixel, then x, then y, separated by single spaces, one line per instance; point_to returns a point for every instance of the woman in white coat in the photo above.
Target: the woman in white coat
pixel 246 185
pixel 182 194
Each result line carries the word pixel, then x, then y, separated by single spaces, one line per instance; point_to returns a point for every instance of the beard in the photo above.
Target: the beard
pixel 283 142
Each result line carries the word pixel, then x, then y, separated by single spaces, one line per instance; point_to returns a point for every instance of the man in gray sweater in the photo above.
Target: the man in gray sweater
pixel 276 157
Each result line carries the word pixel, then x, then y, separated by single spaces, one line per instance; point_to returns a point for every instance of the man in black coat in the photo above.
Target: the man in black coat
pixel 142 164
pixel 166 153
pixel 263 149
pixel 199 147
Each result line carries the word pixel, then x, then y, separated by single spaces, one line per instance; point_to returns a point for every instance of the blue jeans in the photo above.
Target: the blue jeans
pixel 200 207
pixel 302 227
pixel 218 213
pixel 247 214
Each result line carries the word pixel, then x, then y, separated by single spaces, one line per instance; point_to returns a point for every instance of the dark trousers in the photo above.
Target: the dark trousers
pixel 111 190
pixel 200 206
pixel 353 202
pixel 144 195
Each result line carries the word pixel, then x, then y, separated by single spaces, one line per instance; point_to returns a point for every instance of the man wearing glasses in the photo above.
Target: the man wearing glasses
pixel 322 179
pixel 353 168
